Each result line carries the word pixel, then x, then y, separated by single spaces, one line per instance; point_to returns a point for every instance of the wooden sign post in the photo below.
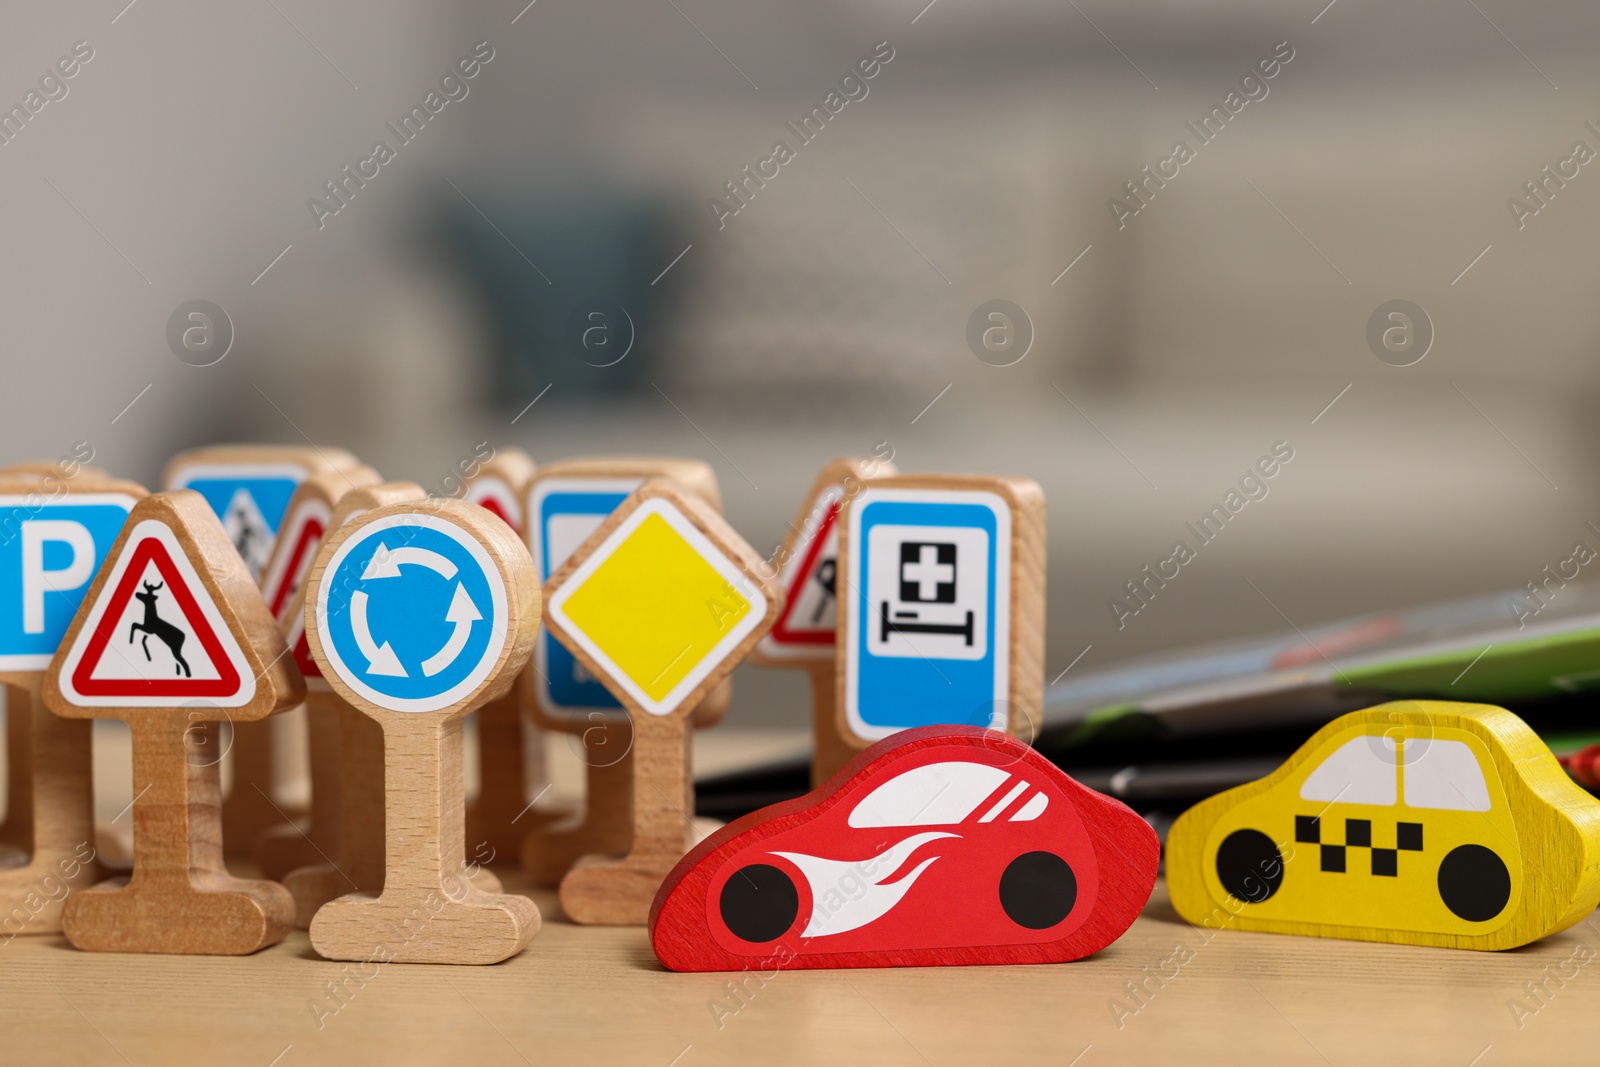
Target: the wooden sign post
pixel 16 830
pixel 356 860
pixel 659 603
pixel 416 614
pixel 175 638
pixel 943 614
pixel 50 548
pixel 282 848
pixel 566 502
pixel 807 566
pixel 250 488
pixel 508 776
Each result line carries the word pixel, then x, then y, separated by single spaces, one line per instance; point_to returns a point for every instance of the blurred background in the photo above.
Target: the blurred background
pixel 579 172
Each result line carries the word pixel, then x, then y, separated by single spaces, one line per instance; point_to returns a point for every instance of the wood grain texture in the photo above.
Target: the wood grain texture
pixel 281 849
pixel 978 828
pixel 428 910
pixel 180 899
pixel 249 810
pixel 312 457
pixel 510 771
pixel 1544 828
pixel 555 840
pixel 1027 504
pixel 819 513
pixel 356 861
pixel 1164 993
pixel 17 829
pixel 618 890
pixel 293 839
pixel 55 849
pixel 50 806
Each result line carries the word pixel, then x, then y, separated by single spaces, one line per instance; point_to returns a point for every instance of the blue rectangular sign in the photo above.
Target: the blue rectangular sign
pixel 928 616
pixel 50 551
pixel 564 512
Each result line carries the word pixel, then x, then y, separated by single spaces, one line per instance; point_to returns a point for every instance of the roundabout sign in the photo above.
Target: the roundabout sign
pixel 412 613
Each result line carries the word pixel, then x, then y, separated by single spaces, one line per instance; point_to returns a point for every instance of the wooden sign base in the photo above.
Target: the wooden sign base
pixel 284 848
pixel 428 910
pixel 180 898
pixel 617 891
pixel 54 843
pixel 356 862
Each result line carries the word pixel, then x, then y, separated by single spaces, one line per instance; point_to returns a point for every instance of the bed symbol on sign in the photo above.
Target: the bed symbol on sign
pixel 927 575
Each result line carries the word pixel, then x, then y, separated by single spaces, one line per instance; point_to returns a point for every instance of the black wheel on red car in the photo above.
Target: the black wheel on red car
pixel 1038 890
pixel 759 903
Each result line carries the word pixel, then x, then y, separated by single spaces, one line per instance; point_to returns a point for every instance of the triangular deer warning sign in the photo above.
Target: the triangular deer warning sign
pixel 174 621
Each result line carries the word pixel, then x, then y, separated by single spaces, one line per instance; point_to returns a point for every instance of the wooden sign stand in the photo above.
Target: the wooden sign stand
pixel 50 808
pixel 248 810
pixel 306 521
pixel 428 910
pixel 356 860
pixel 553 843
pixel 16 830
pixel 804 635
pixel 179 898
pixel 507 772
pixel 663 569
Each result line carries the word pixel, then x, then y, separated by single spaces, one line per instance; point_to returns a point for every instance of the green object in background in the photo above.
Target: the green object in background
pixel 1548 665
pixel 1471 650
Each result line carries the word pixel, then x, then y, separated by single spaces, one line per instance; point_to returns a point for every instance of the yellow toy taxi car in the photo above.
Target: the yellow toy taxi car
pixel 1415 822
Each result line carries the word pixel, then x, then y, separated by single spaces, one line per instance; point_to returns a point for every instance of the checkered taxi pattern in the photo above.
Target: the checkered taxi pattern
pixel 1358 834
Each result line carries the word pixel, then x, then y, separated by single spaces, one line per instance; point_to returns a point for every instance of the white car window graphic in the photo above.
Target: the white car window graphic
pixel 1444 774
pixel 1031 810
pixel 1004 802
pixel 1360 771
pixel 937 794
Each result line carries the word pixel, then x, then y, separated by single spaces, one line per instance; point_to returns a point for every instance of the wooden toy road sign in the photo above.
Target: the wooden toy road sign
pixel 175 638
pixel 660 603
pixel 805 633
pixel 53 539
pixel 417 613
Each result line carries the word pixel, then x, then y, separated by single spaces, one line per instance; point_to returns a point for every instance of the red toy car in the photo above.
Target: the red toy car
pixel 940 845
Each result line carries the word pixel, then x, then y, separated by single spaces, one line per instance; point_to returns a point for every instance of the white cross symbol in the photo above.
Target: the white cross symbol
pixel 928 572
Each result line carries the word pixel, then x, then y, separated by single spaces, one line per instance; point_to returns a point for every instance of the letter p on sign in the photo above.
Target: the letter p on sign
pixel 40 577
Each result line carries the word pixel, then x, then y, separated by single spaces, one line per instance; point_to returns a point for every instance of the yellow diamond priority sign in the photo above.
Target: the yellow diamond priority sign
pixel 661 601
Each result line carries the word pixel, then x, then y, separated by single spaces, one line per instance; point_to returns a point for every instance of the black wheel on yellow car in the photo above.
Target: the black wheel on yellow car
pixel 1249 866
pixel 1474 883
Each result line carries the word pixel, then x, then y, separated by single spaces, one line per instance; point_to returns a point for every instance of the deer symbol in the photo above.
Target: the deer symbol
pixel 155 626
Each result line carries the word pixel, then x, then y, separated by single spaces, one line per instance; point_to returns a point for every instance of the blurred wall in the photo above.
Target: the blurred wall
pixel 825 316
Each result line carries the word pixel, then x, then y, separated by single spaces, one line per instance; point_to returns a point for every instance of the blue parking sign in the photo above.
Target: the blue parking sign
pixel 563 513
pixel 928 613
pixel 411 613
pixel 50 551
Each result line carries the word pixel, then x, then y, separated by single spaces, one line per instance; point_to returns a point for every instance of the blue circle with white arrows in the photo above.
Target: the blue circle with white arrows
pixel 411 611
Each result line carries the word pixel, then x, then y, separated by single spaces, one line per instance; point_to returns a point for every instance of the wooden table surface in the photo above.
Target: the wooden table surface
pixel 596 997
